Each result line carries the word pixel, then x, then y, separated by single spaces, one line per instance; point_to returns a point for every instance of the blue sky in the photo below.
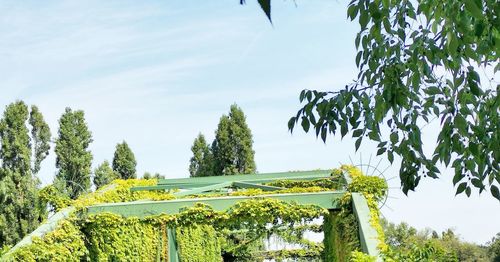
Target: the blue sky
pixel 156 73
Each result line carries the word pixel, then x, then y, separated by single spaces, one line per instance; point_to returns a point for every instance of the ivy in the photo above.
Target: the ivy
pixel 204 234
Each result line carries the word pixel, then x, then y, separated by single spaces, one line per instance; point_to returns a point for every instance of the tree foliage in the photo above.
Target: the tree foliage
pixel 104 174
pixel 20 156
pixel 124 161
pixel 230 153
pixel 232 147
pixel 420 61
pixel 73 159
pixel 202 162
pixel 409 244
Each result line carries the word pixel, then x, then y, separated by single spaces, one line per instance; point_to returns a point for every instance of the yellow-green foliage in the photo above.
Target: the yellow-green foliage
pixel 108 237
pixel 119 191
pixel 198 243
pixel 330 183
pixel 65 243
pixel 341 232
pixel 341 241
pixel 113 238
pixel 52 196
pixel 362 257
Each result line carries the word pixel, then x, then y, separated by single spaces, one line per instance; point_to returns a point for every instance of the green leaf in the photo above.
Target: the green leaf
pixel 266 7
pixel 477 183
pixel 352 11
pixel 457 178
pixel 468 191
pixel 364 18
pixel 291 123
pixel 433 90
pixel 461 124
pixel 358 143
pixel 471 6
pixel 495 192
pixel 461 188
pixel 394 137
pixel 323 133
pixel 357 133
pixel 380 151
pixel 305 124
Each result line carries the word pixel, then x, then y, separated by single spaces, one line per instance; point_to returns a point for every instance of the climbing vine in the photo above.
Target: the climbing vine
pixel 204 234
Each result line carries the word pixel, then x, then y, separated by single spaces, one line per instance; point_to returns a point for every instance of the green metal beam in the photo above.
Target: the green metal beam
pixel 194 182
pixel 203 189
pixel 327 199
pixel 367 234
pixel 173 252
pixel 171 186
pixel 250 185
pixel 247 178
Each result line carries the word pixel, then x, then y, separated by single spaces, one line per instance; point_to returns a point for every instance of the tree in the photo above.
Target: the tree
pixel 232 147
pixel 21 210
pixel 408 244
pixel 104 175
pixel 124 161
pixel 202 162
pixel 420 61
pixel 73 159
pixel 494 248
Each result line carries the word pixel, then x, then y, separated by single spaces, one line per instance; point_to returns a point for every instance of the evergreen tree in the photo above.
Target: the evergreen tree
pixel 232 147
pixel 73 159
pixel 21 210
pixel 104 175
pixel 124 161
pixel 202 162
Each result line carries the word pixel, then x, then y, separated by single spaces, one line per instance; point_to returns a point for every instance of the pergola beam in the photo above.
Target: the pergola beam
pixel 258 186
pixel 247 178
pixel 203 189
pixel 327 199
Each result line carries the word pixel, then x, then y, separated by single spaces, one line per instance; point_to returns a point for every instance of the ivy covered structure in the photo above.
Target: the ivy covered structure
pixel 218 218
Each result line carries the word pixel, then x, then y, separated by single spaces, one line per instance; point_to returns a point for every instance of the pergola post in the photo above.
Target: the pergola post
pixel 173 254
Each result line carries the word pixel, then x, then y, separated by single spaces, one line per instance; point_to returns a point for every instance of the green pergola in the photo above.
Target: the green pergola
pixel 197 187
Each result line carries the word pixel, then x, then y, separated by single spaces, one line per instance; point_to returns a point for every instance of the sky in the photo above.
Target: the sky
pixel 157 73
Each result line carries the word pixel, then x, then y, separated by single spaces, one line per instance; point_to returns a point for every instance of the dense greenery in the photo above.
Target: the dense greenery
pixel 202 162
pixel 124 161
pixel 21 153
pixel 409 244
pixel 420 61
pixel 73 159
pixel 109 237
pixel 104 174
pixel 230 153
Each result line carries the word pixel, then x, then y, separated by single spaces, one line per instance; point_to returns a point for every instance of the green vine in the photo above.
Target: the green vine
pixel 204 234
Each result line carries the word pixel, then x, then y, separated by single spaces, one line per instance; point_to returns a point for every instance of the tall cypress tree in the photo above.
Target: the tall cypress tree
pixel 73 159
pixel 232 147
pixel 21 155
pixel 231 151
pixel 202 162
pixel 124 161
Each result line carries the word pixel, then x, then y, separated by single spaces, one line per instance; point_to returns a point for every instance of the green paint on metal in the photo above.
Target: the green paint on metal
pixel 203 189
pixel 327 200
pixel 251 185
pixel 247 178
pixel 173 252
pixel 195 182
pixel 367 234
pixel 49 225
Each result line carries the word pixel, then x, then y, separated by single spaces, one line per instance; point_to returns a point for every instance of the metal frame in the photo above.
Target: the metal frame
pixel 200 185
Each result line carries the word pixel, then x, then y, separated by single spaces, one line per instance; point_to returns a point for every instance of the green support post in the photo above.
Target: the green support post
pixel 173 253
